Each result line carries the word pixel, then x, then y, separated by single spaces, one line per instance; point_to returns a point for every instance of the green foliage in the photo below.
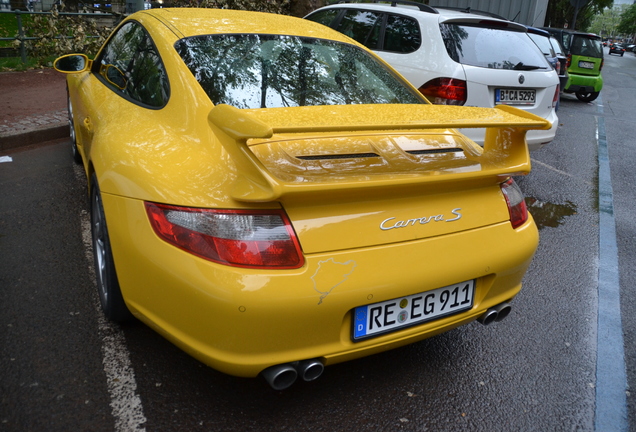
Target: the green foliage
pixel 61 34
pixel 627 25
pixel 606 23
pixel 561 12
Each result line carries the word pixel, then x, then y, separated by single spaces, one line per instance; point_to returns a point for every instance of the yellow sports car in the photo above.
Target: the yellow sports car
pixel 273 198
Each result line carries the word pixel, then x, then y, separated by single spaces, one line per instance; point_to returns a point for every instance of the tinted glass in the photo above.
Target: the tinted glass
pixel 491 48
pixel 402 34
pixel 131 65
pixel 584 46
pixel 324 17
pixel 268 71
pixel 363 26
pixel 557 47
pixel 543 43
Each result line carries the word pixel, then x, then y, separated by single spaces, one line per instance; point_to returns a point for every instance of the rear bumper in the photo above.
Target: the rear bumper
pixel 241 321
pixel 584 83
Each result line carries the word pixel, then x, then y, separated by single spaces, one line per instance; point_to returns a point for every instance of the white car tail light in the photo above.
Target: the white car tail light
pixel 240 238
pixel 555 99
pixel 516 203
pixel 445 91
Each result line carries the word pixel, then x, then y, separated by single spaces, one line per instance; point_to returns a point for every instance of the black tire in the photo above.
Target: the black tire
pixel 622 54
pixel 110 295
pixel 77 157
pixel 584 96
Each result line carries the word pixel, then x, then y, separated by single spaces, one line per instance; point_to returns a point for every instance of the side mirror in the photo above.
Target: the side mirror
pixel 72 63
pixel 116 77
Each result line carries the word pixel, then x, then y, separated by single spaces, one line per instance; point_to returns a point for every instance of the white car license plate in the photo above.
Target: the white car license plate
pixel 383 317
pixel 515 96
pixel 586 65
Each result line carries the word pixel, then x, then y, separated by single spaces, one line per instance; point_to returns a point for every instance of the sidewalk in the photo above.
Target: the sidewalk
pixel 32 107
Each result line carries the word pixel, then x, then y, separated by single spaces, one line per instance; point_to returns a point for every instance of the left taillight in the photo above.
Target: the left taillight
pixel 261 239
pixel 555 99
pixel 516 203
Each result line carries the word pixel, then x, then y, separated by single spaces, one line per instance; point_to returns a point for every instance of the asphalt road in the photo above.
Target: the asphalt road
pixel 63 367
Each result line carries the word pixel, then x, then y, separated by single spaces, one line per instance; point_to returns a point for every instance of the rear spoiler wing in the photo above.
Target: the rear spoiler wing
pixel 505 150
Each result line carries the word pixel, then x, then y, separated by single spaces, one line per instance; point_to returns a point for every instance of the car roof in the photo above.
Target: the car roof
pixel 188 22
pixel 539 31
pixel 438 13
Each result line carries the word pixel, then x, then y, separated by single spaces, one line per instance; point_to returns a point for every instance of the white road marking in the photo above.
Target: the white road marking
pixel 120 377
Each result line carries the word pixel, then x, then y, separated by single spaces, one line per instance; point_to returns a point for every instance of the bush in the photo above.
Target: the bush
pixel 63 34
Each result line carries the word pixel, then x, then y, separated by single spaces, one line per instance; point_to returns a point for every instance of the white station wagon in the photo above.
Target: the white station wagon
pixel 455 57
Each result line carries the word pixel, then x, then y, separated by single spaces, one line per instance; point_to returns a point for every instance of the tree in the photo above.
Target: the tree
pixel 606 24
pixel 560 13
pixel 627 24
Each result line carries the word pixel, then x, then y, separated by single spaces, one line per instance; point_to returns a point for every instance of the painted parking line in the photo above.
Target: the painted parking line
pixel 125 403
pixel 611 376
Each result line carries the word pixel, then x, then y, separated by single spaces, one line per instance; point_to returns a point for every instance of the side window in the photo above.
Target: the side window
pixel 130 64
pixel 324 17
pixel 402 34
pixel 363 26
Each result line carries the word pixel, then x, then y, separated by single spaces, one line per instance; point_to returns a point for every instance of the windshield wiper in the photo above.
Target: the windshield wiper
pixel 521 66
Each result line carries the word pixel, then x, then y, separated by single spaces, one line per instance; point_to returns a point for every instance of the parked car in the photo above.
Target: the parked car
pixel 551 49
pixel 617 49
pixel 273 198
pixel 454 57
pixel 585 62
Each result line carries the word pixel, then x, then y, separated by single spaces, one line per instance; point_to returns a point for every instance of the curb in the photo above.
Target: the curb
pixel 15 140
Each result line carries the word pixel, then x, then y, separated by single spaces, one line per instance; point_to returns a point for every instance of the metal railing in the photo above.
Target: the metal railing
pixel 21 34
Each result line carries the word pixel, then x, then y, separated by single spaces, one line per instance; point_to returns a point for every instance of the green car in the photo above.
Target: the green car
pixel 585 61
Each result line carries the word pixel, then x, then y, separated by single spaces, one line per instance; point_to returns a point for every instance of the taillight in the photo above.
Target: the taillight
pixel 445 91
pixel 569 62
pixel 558 67
pixel 240 238
pixel 555 99
pixel 516 203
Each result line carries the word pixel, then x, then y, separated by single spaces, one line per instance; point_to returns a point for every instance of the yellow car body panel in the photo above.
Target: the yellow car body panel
pixel 240 321
pixel 386 200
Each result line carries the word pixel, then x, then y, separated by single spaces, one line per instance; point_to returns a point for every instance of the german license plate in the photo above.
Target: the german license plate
pixel 515 97
pixel 391 315
pixel 586 65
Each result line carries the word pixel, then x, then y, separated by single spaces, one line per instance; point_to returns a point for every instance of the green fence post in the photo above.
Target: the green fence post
pixel 21 36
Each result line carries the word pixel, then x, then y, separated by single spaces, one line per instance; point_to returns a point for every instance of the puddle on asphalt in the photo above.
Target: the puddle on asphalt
pixel 546 214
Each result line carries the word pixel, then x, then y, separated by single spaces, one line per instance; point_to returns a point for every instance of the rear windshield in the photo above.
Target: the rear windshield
pixel 491 48
pixel 270 71
pixel 543 43
pixel 585 46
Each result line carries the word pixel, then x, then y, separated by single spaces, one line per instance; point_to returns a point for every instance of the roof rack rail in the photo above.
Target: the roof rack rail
pixel 473 11
pixel 394 3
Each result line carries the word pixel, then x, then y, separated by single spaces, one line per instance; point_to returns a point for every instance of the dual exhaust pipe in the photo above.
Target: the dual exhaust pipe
pixel 495 314
pixel 282 376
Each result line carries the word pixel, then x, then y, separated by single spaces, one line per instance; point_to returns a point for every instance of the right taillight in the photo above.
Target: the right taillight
pixel 516 203
pixel 445 91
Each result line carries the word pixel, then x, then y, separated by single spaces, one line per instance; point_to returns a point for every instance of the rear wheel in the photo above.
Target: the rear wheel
pixel 77 157
pixel 584 96
pixel 110 295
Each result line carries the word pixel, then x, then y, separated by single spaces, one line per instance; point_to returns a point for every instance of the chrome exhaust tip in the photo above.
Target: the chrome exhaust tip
pixel 310 370
pixel 280 377
pixel 495 314
pixel 503 310
pixel 489 317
